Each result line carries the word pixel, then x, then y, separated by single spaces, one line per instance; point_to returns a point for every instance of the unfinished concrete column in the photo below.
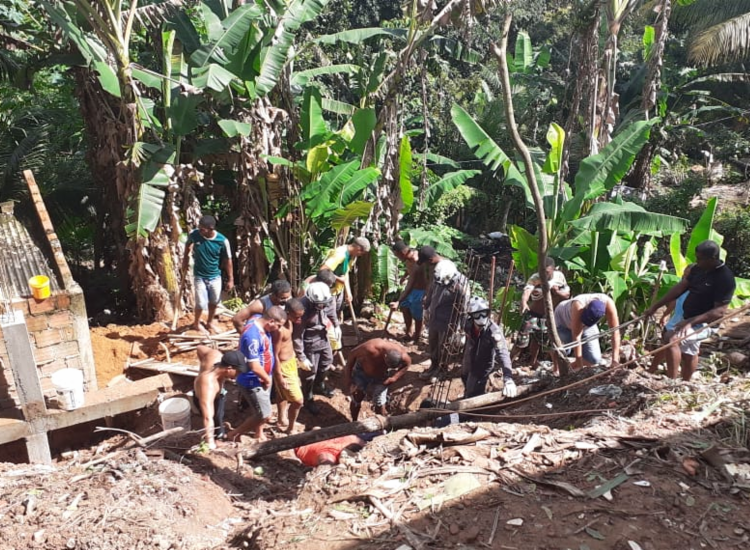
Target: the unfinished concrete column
pixel 28 385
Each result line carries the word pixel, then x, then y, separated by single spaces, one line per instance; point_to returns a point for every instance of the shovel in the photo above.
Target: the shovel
pixel 388 321
pixel 178 300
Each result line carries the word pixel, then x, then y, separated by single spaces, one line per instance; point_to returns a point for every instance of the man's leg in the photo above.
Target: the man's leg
pixel 690 351
pixel 566 337
pixel 407 321
pixel 201 301
pixel 256 414
pixel 355 405
pixel 308 379
pixel 380 399
pixel 214 297
pixel 324 365
pixel 592 351
pixel 219 407
pixel 281 413
pixel 434 348
pixel 673 357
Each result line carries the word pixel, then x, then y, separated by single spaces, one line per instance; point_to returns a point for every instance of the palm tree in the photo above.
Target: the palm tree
pixel 719 31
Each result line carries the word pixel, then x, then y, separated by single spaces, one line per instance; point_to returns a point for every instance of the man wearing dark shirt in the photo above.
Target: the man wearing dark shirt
pixel 711 285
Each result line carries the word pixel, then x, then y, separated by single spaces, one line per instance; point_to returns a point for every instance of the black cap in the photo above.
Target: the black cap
pixel 426 253
pixel 235 359
pixel 207 221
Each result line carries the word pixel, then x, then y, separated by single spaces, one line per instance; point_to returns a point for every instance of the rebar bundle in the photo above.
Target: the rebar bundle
pixel 451 354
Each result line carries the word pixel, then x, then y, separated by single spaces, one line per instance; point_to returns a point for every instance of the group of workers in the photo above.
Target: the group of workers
pixel 287 343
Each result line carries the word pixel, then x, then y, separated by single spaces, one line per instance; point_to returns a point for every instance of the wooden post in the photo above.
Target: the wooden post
pixel 29 387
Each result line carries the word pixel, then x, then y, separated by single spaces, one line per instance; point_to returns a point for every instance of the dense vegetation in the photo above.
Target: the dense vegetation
pixel 299 123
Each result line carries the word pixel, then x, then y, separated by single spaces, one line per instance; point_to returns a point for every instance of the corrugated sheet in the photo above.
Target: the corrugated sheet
pixel 20 259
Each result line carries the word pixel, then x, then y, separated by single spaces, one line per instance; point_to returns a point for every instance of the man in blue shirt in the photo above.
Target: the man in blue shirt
pixel 255 384
pixel 211 254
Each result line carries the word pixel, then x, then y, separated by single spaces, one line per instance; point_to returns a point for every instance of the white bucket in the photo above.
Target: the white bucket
pixel 68 384
pixel 175 412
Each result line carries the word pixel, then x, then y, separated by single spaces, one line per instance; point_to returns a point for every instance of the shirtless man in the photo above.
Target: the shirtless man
pixel 209 393
pixel 285 376
pixel 410 300
pixel 371 368
pixel 281 291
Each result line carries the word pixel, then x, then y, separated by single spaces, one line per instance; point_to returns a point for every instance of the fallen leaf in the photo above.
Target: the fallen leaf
pixel 517 522
pixel 634 545
pixel 593 533
pixel 547 511
pixel 690 500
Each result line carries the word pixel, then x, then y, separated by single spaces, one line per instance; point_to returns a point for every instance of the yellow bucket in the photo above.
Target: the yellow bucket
pixel 39 286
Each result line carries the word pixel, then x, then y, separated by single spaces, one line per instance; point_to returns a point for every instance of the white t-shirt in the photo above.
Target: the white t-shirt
pixel 564 310
pixel 535 282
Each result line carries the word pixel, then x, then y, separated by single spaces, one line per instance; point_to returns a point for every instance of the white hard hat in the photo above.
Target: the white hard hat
pixel 318 293
pixel 445 272
pixel 477 303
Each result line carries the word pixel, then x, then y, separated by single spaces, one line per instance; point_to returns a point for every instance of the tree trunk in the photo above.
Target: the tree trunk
pixel 640 176
pixel 257 206
pixel 585 78
pixel 373 424
pixel 501 53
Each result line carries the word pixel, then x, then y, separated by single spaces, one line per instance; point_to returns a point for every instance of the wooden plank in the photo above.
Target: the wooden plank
pixel 107 402
pixel 110 402
pixel 171 368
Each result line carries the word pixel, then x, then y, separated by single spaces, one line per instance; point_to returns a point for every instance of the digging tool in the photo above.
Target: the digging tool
pixel 354 321
pixel 388 321
pixel 178 299
pixel 657 285
pixel 507 286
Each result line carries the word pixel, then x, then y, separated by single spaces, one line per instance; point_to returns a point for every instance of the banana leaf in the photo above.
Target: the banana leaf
pixel 448 182
pixel 404 174
pixel 233 30
pixel 385 269
pixel 358 36
pixel 344 217
pixel 314 130
pixel 628 217
pixel 274 57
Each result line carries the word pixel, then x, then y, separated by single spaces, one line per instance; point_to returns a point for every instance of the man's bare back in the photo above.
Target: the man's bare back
pixel 370 356
pixel 417 274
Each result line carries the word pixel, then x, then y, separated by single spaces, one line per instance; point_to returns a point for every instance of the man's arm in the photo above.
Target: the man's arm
pixel 240 318
pixel 261 373
pixel 229 269
pixel 353 356
pixel 186 257
pixel 405 364
pixel 525 298
pixel 672 294
pixel 561 292
pixel 613 320
pixel 276 374
pixel 206 391
pixel 298 344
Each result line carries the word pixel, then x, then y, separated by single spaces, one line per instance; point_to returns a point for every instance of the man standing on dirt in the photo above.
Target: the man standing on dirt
pixel 255 385
pixel 711 285
pixel 410 300
pixel 209 394
pixel 340 260
pixel 576 321
pixel 371 368
pixel 485 352
pixel 533 311
pixel 444 302
pixel 285 376
pixel 281 291
pixel 311 344
pixel 211 254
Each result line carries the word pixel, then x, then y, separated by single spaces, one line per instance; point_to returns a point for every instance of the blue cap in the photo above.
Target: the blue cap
pixel 593 312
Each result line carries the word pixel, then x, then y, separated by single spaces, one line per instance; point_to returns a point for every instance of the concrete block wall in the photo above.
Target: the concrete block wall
pixel 59 335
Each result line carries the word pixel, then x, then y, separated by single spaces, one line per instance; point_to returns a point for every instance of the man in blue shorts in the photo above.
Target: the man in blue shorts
pixel 371 368
pixel 711 286
pixel 255 385
pixel 410 300
pixel 211 254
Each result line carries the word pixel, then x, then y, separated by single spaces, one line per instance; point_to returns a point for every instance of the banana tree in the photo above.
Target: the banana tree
pixel 591 237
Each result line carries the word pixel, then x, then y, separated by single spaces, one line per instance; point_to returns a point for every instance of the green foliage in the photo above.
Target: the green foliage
pixel 385 270
pixel 735 226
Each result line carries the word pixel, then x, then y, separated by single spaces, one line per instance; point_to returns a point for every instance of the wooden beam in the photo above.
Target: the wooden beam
pixel 107 402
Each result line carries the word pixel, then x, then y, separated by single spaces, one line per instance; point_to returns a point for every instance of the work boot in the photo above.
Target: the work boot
pixel 430 373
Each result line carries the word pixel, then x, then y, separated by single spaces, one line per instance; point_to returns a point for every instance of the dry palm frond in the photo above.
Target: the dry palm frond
pixel 153 15
pixel 725 41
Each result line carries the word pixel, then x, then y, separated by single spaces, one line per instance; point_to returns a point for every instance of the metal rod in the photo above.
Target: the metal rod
pixel 507 286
